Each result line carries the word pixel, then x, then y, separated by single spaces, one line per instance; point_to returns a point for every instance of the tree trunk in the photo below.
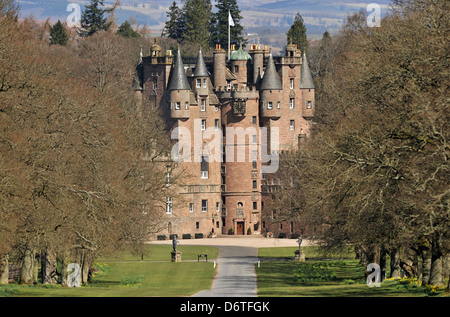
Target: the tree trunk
pixel 436 259
pixel 395 264
pixel 426 267
pixel 64 274
pixel 48 267
pixel 383 264
pixel 4 269
pixel 29 265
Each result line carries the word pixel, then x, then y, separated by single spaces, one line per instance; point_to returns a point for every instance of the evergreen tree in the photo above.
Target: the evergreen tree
pixel 174 25
pixel 58 34
pixel 93 19
pixel 297 33
pixel 126 30
pixel 197 16
pixel 219 34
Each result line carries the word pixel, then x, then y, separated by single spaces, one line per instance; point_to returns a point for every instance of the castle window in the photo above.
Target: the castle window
pixel 253 164
pixel 269 105
pixel 291 103
pixel 203 105
pixel 216 124
pixel 199 83
pixel 204 205
pixel 217 206
pixel 254 139
pixel 278 105
pixel 177 105
pixel 255 185
pixel 236 69
pixel 254 119
pixel 191 207
pixel 204 167
pixel 197 225
pixel 292 125
pixel 255 205
pixel 291 83
pixel 203 127
pixel 309 104
pixel 155 83
pixel 204 83
pixel 168 205
pixel 228 84
pixel 186 105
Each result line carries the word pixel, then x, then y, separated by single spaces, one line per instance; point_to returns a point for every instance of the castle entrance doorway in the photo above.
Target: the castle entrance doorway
pixel 240 228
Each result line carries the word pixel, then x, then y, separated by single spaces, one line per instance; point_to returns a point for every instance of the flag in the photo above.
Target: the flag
pixel 230 19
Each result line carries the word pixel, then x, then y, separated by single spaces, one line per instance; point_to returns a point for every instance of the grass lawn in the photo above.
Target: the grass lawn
pixel 127 275
pixel 342 276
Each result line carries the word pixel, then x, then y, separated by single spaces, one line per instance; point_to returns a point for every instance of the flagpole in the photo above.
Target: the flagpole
pixel 229 35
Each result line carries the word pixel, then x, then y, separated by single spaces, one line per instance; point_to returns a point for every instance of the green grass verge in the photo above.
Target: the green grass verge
pixel 128 276
pixel 280 276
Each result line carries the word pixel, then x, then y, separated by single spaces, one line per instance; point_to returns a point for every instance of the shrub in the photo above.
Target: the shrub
pixel 172 236
pixel 199 236
pixel 161 237
pixel 132 280
pixel 187 236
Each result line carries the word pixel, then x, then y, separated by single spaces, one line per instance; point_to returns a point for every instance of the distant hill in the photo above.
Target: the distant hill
pixel 267 21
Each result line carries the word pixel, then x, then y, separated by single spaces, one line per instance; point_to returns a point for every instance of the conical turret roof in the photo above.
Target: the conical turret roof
pixel 270 79
pixel 178 78
pixel 200 67
pixel 306 77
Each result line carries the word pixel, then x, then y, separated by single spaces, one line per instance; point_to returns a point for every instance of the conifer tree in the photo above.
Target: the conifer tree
pixel 58 34
pixel 126 30
pixel 93 19
pixel 174 25
pixel 220 28
pixel 297 33
pixel 197 16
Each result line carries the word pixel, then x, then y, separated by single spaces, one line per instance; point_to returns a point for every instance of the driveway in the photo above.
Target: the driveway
pixel 235 276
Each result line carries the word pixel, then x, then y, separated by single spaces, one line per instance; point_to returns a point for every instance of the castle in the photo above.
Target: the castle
pixel 241 106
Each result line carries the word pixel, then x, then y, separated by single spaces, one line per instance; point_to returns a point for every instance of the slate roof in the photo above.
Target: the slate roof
pixel 270 79
pixel 178 79
pixel 200 67
pixel 306 77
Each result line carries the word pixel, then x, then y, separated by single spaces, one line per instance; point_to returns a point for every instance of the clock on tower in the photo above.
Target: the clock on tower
pixel 239 107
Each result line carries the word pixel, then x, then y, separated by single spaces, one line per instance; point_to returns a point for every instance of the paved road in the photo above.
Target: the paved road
pixel 235 276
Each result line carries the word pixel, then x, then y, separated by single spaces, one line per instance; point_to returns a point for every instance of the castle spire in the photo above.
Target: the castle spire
pixel 306 77
pixel 200 67
pixel 178 78
pixel 271 79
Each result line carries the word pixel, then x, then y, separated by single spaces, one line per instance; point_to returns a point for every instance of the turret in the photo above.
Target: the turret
pixel 308 89
pixel 238 64
pixel 179 90
pixel 270 90
pixel 219 67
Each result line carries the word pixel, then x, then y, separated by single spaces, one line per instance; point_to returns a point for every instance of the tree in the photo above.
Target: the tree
pixel 58 34
pixel 297 33
pixel 174 25
pixel 374 171
pixel 93 19
pixel 219 34
pixel 197 16
pixel 126 30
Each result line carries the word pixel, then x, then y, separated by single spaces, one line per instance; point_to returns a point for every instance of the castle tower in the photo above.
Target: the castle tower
pixel 179 91
pixel 308 90
pixel 238 63
pixel 219 68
